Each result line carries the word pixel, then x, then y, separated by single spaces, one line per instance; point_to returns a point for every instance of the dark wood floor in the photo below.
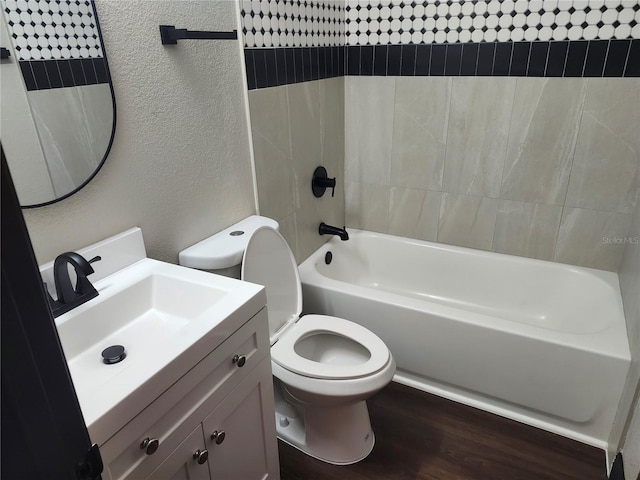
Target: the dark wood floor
pixel 421 436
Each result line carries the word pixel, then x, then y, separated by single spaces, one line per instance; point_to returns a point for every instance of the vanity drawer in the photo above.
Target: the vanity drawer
pixel 174 414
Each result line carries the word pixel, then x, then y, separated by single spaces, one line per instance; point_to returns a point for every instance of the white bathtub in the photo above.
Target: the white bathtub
pixel 539 342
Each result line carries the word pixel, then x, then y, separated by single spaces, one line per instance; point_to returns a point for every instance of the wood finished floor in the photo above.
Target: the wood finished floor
pixel 421 436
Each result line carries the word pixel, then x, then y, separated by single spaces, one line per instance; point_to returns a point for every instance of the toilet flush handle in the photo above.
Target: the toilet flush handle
pixel 239 360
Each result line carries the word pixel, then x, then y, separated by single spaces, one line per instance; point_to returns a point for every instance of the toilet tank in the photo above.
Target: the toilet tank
pixel 222 253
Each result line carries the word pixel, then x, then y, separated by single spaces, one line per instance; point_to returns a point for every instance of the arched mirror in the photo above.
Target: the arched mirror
pixel 58 115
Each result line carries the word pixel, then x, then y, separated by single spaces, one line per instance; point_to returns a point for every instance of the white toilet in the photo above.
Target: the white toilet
pixel 324 367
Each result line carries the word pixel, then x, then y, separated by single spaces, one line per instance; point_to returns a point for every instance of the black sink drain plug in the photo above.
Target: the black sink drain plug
pixel 113 354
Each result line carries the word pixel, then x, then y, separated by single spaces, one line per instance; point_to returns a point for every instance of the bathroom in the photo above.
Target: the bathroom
pixel 203 141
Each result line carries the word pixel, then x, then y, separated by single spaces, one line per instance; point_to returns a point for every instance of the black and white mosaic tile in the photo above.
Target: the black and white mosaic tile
pixel 393 22
pixel 293 23
pixel 52 30
pixel 284 39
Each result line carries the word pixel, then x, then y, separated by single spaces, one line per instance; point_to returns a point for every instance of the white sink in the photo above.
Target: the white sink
pixel 167 318
pixel 137 313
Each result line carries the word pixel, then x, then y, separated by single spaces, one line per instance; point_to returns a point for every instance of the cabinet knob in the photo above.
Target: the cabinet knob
pixel 240 360
pixel 201 456
pixel 150 445
pixel 218 436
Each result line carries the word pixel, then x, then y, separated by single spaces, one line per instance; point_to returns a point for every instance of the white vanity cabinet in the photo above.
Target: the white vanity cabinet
pixel 238 430
pixel 183 463
pixel 216 422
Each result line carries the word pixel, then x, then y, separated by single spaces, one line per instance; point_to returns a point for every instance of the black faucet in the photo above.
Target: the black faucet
pixel 69 297
pixel 325 229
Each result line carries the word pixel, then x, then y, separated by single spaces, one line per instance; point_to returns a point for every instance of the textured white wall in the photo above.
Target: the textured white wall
pixel 180 166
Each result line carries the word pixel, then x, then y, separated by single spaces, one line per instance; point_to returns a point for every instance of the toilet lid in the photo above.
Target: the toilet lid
pixel 268 261
pixel 283 352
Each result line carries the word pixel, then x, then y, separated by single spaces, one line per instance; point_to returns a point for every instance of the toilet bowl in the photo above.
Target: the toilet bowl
pixel 324 367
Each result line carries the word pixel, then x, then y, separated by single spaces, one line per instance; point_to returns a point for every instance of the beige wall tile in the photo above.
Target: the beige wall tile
pixel 527 229
pixel 477 135
pixel 382 139
pixel 309 240
pixel 317 138
pixel 269 112
pixel 615 102
pixel 414 213
pixel 74 129
pixel 19 135
pixel 630 281
pixel 285 163
pixel 306 133
pixel 367 206
pixel 368 129
pixel 317 108
pixel 590 238
pixel 332 125
pixel 275 178
pixel 290 234
pixel 603 176
pixel 630 288
pixel 467 220
pixel 420 119
pixel 542 138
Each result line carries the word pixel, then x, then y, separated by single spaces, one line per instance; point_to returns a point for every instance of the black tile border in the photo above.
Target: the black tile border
pixel 520 56
pixel 617 58
pixel 596 57
pixel 270 67
pixel 380 60
pixel 49 74
pixel 562 59
pixel 502 59
pixel 632 68
pixel 486 54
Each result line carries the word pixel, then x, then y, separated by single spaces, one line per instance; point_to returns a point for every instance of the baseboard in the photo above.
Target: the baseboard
pixel 617 469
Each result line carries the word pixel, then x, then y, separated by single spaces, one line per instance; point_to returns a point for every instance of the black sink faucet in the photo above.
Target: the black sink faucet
pixel 69 297
pixel 325 229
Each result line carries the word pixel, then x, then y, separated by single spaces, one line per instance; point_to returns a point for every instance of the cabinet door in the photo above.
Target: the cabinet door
pixel 182 464
pixel 240 433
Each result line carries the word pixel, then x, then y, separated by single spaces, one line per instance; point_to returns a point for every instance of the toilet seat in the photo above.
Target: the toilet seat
pixel 283 352
pixel 268 261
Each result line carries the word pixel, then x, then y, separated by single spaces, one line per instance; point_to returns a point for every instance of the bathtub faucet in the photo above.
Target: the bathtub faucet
pixel 325 229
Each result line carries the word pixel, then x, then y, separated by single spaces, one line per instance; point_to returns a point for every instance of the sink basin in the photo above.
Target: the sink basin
pixel 156 306
pixel 167 318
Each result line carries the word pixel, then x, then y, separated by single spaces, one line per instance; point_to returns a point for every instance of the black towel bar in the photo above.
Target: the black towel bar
pixel 170 35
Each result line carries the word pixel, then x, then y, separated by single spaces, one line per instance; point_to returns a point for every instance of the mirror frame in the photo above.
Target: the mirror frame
pixel 113 127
